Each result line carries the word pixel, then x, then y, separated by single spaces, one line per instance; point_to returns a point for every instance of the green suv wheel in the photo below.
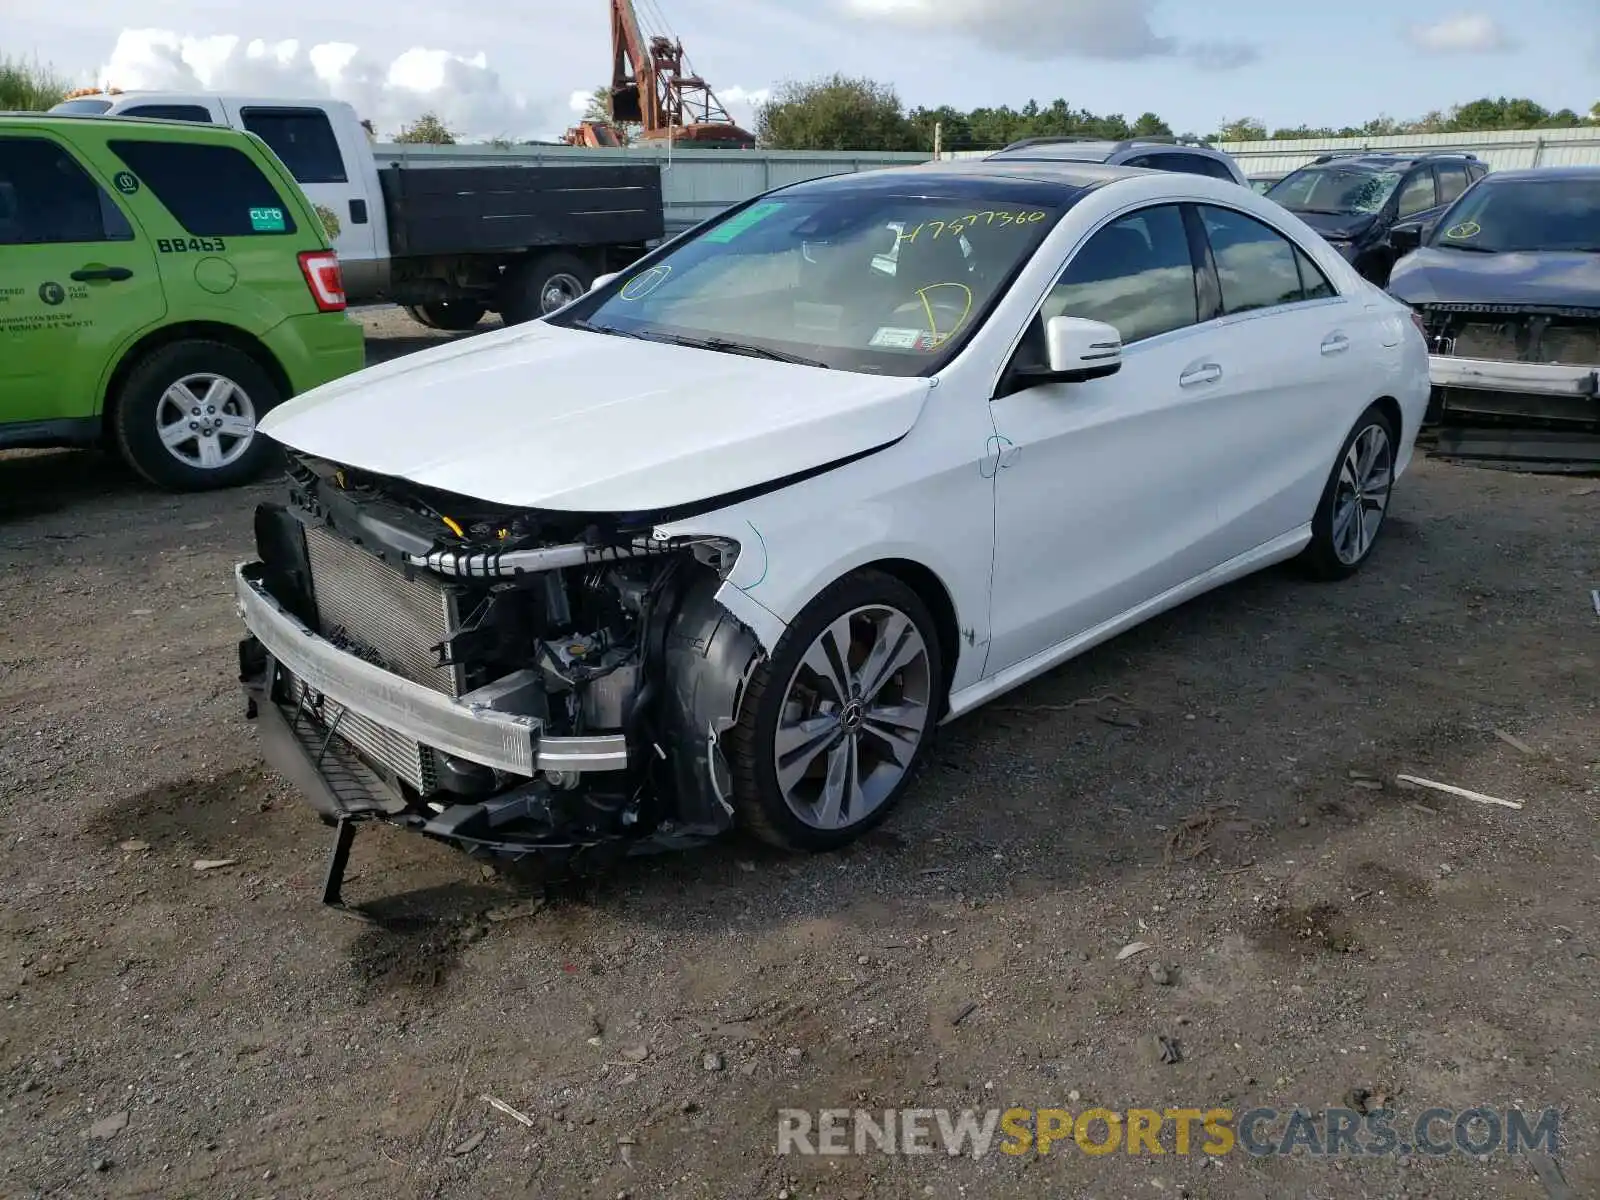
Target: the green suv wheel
pixel 186 416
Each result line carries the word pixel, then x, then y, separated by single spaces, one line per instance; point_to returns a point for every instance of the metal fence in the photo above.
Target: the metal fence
pixel 1504 150
pixel 697 184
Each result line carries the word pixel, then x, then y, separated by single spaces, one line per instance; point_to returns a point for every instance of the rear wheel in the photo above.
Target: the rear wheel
pixel 537 287
pixel 837 719
pixel 452 315
pixel 186 416
pixel 1356 499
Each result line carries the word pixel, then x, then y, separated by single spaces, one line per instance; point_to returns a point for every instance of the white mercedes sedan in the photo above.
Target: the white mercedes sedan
pixel 722 542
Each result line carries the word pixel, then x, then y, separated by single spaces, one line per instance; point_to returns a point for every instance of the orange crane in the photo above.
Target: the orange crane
pixel 651 88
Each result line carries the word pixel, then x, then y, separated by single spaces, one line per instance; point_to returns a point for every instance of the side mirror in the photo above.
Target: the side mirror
pixel 601 280
pixel 1403 239
pixel 1078 350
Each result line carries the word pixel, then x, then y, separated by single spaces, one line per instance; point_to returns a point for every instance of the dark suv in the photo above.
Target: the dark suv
pixel 1152 153
pixel 1355 199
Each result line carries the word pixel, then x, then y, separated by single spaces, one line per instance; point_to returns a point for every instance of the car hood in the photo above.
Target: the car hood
pixel 1342 226
pixel 538 416
pixel 1555 278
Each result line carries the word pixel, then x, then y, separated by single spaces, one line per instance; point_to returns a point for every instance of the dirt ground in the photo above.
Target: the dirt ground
pixel 1225 792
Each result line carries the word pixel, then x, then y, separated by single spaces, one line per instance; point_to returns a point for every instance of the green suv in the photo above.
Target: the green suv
pixel 162 286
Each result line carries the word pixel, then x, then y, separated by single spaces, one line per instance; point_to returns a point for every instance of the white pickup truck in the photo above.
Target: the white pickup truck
pixel 448 243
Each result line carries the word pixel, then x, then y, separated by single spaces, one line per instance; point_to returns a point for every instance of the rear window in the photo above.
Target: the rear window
pixel 213 191
pixel 303 138
pixel 169 112
pixel 82 107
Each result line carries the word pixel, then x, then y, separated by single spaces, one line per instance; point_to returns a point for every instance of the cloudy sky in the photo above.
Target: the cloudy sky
pixel 511 67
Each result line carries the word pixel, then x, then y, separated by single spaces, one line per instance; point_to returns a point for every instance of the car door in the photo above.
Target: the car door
pixel 76 283
pixel 1292 346
pixel 1106 496
pixel 1418 195
pixel 305 139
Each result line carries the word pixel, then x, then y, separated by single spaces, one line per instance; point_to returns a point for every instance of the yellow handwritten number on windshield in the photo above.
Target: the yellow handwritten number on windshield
pixel 956 225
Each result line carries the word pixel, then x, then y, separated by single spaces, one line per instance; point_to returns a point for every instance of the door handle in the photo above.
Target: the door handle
pixel 114 274
pixel 1204 373
pixel 1335 343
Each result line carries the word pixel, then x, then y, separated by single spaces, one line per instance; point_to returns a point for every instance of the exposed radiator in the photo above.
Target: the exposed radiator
pixel 393 621
pixel 370 609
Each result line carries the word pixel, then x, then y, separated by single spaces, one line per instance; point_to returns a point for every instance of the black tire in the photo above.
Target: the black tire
pixel 758 800
pixel 1322 558
pixel 524 285
pixel 139 404
pixel 451 315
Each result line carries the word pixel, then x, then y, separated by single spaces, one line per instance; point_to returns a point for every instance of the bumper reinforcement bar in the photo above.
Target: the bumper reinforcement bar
pixel 506 741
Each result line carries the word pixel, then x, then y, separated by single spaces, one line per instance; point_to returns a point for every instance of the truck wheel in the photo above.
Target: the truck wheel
pixel 186 416
pixel 537 287
pixel 453 315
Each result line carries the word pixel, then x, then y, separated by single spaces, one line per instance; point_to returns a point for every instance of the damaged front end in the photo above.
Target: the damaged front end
pixel 514 683
pixel 1516 386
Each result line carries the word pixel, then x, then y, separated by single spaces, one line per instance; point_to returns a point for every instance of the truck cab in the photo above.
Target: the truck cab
pixel 322 142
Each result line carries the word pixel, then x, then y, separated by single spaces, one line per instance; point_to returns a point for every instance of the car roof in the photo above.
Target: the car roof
pixel 1380 160
pixel 1036 177
pixel 1545 175
pixel 98 121
pixel 1093 149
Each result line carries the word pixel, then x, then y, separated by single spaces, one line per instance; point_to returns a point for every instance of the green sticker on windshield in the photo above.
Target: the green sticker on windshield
pixel 1463 231
pixel 267 220
pixel 734 226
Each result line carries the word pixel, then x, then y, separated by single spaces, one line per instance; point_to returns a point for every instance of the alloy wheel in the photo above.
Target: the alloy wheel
pixel 854 713
pixel 1361 497
pixel 206 421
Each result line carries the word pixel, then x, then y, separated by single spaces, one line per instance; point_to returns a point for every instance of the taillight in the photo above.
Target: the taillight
pixel 324 278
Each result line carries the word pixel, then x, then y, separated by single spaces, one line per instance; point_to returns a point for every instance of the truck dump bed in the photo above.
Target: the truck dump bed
pixel 489 210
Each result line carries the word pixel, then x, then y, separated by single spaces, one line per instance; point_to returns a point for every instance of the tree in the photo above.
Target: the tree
pixel 836 113
pixel 599 110
pixel 429 130
pixel 1594 111
pixel 28 87
pixel 1242 129
pixel 1150 125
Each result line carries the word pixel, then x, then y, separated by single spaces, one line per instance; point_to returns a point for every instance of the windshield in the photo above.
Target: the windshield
pixel 1556 214
pixel 858 280
pixel 82 107
pixel 1333 189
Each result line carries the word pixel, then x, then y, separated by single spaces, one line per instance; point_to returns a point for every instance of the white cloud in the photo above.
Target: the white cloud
pixel 1463 33
pixel 1047 29
pixel 464 91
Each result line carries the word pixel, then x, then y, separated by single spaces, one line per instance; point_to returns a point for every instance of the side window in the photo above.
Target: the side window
pixel 303 138
pixel 1313 283
pixel 236 199
pixel 1477 171
pixel 1136 273
pixel 1452 181
pixel 1256 265
pixel 1416 194
pixel 47 198
pixel 1141 160
pixel 170 112
pixel 1215 169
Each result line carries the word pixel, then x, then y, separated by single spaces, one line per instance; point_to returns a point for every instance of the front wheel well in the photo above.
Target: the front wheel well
pixel 186 331
pixel 932 591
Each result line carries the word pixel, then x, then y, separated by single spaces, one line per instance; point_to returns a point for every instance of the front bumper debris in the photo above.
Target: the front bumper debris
pixel 505 741
pixel 1538 379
